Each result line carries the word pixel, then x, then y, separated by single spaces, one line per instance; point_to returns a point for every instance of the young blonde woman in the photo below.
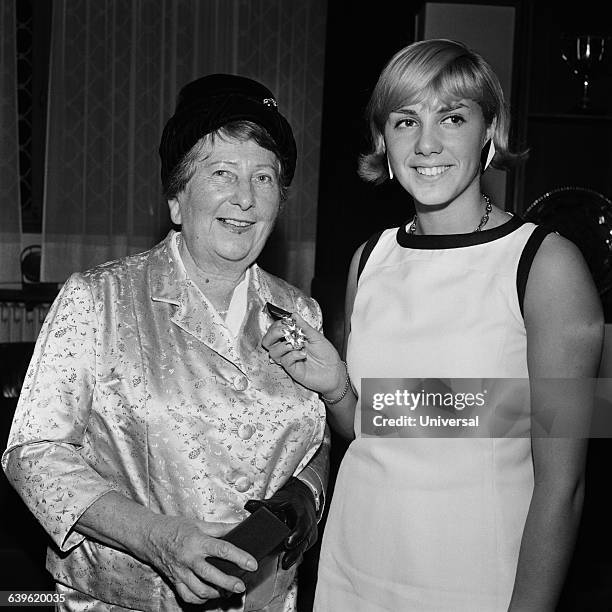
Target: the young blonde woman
pixel 462 290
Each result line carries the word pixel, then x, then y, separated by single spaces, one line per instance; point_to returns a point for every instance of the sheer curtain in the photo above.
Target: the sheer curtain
pixel 10 210
pixel 116 67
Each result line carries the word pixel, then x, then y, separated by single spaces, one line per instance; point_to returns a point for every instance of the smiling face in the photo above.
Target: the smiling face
pixel 228 208
pixel 434 149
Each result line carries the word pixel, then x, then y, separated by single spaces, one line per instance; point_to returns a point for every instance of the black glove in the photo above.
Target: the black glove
pixel 295 505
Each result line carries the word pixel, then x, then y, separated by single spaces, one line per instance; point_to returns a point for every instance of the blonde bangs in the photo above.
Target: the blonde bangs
pixel 456 81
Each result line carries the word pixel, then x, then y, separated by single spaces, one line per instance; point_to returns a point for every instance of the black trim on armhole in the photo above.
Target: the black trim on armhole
pixel 527 256
pixel 367 250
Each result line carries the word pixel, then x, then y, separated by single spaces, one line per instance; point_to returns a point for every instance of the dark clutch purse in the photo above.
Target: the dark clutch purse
pixel 261 534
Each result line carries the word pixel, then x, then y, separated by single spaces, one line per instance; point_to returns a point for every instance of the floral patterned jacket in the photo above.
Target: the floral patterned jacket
pixel 137 386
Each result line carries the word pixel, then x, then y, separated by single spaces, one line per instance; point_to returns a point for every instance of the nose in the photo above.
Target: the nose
pixel 428 141
pixel 243 196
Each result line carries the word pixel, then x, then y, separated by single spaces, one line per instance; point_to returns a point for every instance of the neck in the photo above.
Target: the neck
pixel 215 283
pixel 453 218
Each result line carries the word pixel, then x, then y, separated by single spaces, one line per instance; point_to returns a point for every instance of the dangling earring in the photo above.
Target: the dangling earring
pixel 389 167
pixel 490 155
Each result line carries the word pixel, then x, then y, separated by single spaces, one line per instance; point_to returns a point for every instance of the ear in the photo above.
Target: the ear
pixel 381 145
pixel 491 130
pixel 175 211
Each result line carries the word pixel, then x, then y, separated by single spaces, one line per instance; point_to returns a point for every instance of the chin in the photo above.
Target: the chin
pixel 434 196
pixel 236 254
pixel 237 257
pixel 430 200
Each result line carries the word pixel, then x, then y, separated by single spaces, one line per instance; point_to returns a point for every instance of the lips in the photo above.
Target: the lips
pixel 235 224
pixel 431 170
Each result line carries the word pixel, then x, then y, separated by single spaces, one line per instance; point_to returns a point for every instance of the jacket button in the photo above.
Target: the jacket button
pixel 240 382
pixel 243 484
pixel 245 431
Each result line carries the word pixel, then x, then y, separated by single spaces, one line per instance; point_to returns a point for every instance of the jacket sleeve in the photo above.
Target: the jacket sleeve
pixel 43 459
pixel 316 473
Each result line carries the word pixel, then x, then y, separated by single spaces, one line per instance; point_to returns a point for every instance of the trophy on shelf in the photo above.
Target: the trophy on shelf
pixel 588 57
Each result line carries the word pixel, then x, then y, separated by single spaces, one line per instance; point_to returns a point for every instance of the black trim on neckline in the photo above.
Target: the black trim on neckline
pixel 451 241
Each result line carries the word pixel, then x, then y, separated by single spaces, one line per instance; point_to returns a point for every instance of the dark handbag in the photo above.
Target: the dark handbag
pixel 261 534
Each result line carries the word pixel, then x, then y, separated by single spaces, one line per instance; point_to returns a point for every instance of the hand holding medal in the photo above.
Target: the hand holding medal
pixel 302 351
pixel 294 335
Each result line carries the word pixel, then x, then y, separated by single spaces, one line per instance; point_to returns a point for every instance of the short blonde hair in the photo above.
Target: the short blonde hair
pixel 436 69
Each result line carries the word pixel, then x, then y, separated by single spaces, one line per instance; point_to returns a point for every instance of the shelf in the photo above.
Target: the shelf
pixel 30 295
pixel 551 117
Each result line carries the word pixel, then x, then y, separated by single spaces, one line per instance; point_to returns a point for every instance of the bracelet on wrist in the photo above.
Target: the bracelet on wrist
pixel 347 384
pixel 315 494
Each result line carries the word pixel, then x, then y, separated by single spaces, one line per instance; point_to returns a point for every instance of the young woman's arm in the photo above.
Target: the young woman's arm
pixel 341 416
pixel 564 323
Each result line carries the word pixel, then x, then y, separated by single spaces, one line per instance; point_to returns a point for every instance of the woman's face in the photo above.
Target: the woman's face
pixel 228 208
pixel 434 149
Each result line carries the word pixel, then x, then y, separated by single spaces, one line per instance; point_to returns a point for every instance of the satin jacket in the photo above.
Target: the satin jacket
pixel 136 385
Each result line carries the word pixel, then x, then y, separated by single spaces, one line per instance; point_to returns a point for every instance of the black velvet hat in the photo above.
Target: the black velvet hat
pixel 212 101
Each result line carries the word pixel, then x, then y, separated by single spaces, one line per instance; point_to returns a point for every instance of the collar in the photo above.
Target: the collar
pixel 451 241
pixel 167 276
pixel 169 283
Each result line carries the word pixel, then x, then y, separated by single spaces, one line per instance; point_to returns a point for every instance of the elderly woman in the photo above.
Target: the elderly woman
pixel 151 414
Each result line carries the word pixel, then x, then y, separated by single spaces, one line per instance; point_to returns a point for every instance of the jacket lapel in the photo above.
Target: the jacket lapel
pixel 193 313
pixel 262 288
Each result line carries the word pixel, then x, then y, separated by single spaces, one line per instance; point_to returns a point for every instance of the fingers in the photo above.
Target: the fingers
pixel 285 355
pixel 225 550
pixel 296 546
pixel 310 332
pixel 193 590
pixel 274 334
pixel 301 531
pixel 181 548
pixel 279 349
pixel 202 582
pixel 290 358
pixel 295 538
pixel 280 509
pixel 289 558
pixel 205 581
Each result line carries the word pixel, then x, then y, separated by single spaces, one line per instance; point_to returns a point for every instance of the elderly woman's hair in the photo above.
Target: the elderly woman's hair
pixel 239 130
pixel 438 70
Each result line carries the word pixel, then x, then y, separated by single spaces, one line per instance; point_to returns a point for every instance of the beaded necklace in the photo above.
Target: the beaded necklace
pixel 483 221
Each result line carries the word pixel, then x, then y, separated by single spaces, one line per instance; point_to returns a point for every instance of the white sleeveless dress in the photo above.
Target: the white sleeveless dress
pixel 432 524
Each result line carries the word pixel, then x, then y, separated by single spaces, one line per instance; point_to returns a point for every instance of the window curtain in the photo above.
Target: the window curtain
pixel 116 68
pixel 10 209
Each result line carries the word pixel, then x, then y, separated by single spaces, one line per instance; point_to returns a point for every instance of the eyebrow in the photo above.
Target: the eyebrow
pixel 405 111
pixel 233 163
pixel 452 107
pixel 441 109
